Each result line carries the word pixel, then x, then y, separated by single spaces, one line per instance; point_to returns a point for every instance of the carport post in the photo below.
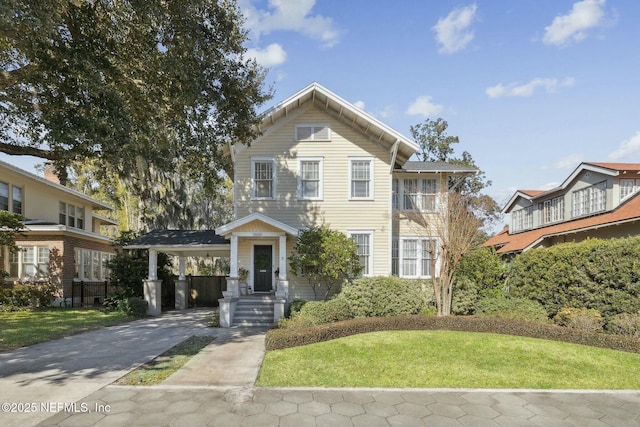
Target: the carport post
pixel 153 286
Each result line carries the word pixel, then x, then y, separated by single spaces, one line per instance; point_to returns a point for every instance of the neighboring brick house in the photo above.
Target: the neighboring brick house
pixel 62 241
pixel 598 200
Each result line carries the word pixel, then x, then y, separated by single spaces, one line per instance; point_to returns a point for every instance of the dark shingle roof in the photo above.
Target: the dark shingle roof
pixel 178 238
pixel 416 166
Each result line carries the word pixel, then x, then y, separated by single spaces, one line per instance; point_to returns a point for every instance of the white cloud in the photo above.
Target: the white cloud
pixel 271 56
pixel 630 147
pixel 359 104
pixel 423 106
pixel 572 27
pixel 290 16
pixel 570 162
pixel 387 112
pixel 527 89
pixel 453 33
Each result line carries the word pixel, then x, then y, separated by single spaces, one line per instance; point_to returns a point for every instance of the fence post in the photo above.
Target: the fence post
pixel 73 292
pixel 105 290
pixel 82 293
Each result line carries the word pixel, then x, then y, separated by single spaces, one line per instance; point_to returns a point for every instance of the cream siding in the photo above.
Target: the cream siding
pixel 335 210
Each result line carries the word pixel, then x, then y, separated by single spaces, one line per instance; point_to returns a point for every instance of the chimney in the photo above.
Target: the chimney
pixel 50 173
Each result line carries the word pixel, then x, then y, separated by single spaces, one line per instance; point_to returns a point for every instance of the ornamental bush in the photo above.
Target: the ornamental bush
pixel 386 296
pixel 625 324
pixel 583 319
pixel 24 295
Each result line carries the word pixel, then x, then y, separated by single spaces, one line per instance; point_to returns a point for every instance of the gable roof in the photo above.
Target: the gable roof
pixel 344 111
pixel 227 229
pixel 518 242
pixel 96 204
pixel 182 242
pixel 611 169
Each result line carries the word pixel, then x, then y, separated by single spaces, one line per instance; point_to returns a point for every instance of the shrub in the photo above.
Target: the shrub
pixel 285 338
pixel 483 271
pixel 582 319
pixel 318 313
pixel 384 296
pixel 22 295
pixel 465 297
pixel 594 274
pixel 295 306
pixel 512 308
pixel 126 302
pixel 625 324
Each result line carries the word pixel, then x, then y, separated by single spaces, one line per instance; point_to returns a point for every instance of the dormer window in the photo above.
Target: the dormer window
pixel 313 132
pixel 628 186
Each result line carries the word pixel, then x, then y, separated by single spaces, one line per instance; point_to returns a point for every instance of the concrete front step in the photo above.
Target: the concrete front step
pixel 254 310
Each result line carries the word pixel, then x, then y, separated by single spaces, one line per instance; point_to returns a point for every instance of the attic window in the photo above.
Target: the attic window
pixel 313 132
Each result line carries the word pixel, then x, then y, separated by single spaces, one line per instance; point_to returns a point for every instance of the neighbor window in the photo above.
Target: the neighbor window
pixel 16 202
pixel 310 179
pixel 522 219
pixel 552 210
pixel 263 179
pixel 29 262
pixel 313 132
pixel 628 187
pixel 4 196
pixel 361 179
pixel 590 200
pixel 91 265
pixel 71 215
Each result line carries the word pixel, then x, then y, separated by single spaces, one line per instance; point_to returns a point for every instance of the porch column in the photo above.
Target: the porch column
pixel 233 262
pixel 283 258
pixel 181 268
pixel 153 286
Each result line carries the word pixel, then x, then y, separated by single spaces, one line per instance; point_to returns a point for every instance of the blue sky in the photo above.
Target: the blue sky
pixel 531 87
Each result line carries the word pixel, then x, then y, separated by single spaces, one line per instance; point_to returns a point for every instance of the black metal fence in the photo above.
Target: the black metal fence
pixel 90 294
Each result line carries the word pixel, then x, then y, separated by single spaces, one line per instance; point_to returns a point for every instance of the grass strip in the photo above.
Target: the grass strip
pixel 161 368
pixel 28 327
pixel 440 359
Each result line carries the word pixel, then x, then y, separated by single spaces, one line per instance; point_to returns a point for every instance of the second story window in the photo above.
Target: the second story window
pixel 4 196
pixel 552 210
pixel 262 179
pixel 310 179
pixel 417 194
pixel 71 215
pixel 361 172
pixel 590 200
pixel 16 202
pixel 628 187
pixel 522 219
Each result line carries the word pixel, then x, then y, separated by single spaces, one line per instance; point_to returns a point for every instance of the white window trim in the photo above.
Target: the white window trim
pixel 21 262
pixel 401 240
pixel 312 138
pixel 419 195
pixel 371 161
pixel 370 265
pixel 320 160
pixel 274 174
pixel 80 254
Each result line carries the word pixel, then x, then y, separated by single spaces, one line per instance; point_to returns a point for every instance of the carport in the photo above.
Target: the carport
pixel 181 244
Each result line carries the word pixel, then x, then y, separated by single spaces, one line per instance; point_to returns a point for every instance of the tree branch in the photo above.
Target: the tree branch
pixel 19 150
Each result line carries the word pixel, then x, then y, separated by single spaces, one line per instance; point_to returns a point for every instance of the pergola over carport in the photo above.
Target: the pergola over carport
pixel 182 244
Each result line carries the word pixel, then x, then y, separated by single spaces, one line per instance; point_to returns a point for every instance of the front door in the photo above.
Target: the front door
pixel 262 268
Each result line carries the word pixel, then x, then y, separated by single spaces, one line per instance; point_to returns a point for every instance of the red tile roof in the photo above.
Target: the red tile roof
pixel 506 243
pixel 531 193
pixel 620 167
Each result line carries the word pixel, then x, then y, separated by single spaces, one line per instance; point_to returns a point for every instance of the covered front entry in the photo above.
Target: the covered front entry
pixel 262 268
pixel 258 261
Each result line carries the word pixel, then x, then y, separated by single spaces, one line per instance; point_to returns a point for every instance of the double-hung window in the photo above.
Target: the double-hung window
pixel 364 243
pixel 263 184
pixel 417 194
pixel 361 178
pixel 415 257
pixel 553 210
pixel 16 200
pixel 71 215
pixel 590 200
pixel 4 196
pixel 628 186
pixel 310 179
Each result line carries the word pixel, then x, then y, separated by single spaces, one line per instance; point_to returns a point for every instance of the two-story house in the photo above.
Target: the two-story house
pixel 61 241
pixel 598 200
pixel 320 160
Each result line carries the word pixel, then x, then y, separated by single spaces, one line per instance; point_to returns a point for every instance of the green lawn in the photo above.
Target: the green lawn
pixel 22 328
pixel 450 359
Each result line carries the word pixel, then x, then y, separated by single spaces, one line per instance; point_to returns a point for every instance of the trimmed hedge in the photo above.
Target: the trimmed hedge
pixel 603 275
pixel 278 339
pixel 23 295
